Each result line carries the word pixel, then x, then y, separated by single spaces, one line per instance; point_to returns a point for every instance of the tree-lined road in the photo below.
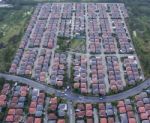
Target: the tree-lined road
pixel 77 97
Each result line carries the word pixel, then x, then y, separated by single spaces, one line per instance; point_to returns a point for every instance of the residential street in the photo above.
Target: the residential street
pixel 76 97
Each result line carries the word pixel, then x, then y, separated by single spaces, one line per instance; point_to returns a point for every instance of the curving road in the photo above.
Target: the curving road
pixel 76 97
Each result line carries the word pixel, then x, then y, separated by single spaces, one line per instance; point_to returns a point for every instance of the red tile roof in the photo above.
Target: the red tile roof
pixel 61 121
pixel 30 120
pixel 89 113
pixel 32 110
pixel 38 120
pixel 141 109
pixel 103 120
pixel 10 118
pixel 11 111
pixel 122 109
pixel 132 120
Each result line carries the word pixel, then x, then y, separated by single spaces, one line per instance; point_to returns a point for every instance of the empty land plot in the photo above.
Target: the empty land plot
pixel 12 25
pixel 78 45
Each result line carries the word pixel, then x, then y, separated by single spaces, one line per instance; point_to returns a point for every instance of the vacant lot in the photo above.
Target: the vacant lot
pixel 78 45
pixel 139 25
pixel 12 27
pixel 63 43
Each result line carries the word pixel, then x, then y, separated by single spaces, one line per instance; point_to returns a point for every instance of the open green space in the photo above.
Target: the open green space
pixel 12 26
pixel 78 45
pixel 139 27
pixel 66 44
pixel 63 43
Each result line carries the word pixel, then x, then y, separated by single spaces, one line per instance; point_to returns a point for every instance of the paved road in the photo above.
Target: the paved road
pixel 6 5
pixel 76 97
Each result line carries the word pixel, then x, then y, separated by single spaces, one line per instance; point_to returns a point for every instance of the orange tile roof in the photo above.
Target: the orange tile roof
pixel 130 114
pixel 80 114
pixel 2 103
pixel 10 118
pixel 76 85
pixel 2 97
pixel 88 106
pixel 23 93
pixel 144 116
pixel 17 118
pixel 147 106
pixel 122 109
pixel 103 120
pixel 32 110
pixel 59 83
pixel 141 109
pixel 101 106
pixel 33 104
pixel 120 104
pixel 90 120
pixel 11 111
pixel 38 120
pixel 30 120
pixel 61 121
pixel 89 113
pixel 53 100
pixel 132 120
pixel 111 120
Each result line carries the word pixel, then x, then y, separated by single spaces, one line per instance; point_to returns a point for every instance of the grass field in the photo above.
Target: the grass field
pixel 139 23
pixel 12 27
pixel 78 45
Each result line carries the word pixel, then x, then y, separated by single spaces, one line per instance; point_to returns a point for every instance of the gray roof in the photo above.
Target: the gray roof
pixel 62 106
pixel 38 113
pixel 127 101
pixel 110 112
pixel 61 113
pixel 22 99
pixel 124 118
pixel 39 107
pixel 146 100
pixel 52 121
pixel 80 121
pixel 20 105
pixel 145 121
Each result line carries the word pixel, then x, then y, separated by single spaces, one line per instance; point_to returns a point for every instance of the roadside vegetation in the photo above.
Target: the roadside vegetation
pixel 12 26
pixel 2 81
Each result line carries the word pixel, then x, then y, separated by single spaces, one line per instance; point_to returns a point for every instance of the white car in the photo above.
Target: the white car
pixel 101 98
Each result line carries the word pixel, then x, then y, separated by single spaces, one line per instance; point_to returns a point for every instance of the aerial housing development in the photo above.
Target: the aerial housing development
pixel 72 58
